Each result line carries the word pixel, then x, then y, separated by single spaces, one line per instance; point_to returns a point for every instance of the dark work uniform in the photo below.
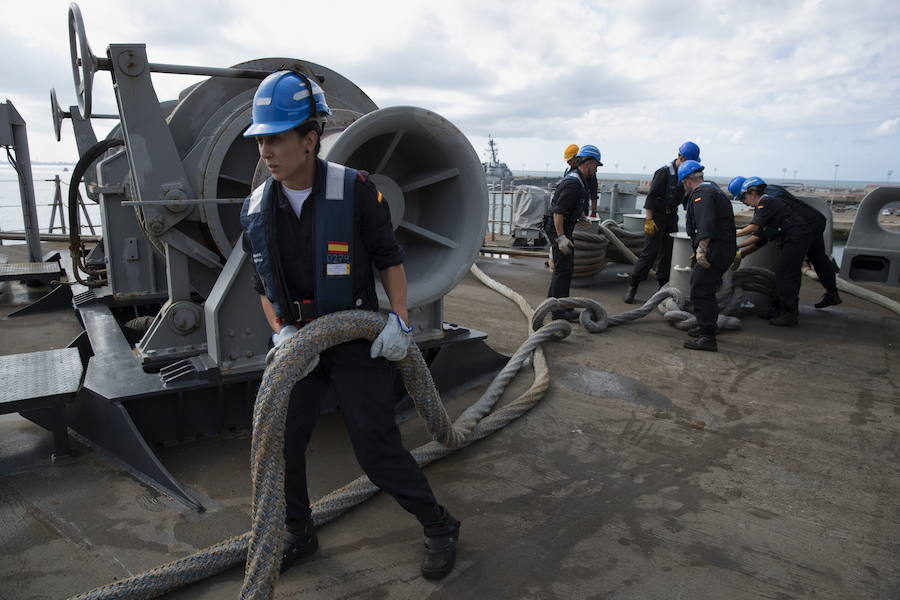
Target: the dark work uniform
pixel 817 254
pixel 593 188
pixel 795 239
pixel 663 198
pixel 568 200
pixel 363 386
pixel 710 216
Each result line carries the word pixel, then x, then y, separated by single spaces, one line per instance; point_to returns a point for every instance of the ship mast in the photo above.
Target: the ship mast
pixel 492 147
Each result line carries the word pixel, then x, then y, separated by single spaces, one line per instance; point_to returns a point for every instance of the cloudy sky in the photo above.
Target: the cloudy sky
pixel 765 88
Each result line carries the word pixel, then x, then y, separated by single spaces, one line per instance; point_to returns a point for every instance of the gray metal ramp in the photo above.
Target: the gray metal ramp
pixel 30 270
pixel 37 385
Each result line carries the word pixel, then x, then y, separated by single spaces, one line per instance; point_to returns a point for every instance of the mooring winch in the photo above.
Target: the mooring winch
pixel 174 339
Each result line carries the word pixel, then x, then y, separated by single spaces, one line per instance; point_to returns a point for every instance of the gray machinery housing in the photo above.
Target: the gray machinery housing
pixel 175 340
pixel 872 252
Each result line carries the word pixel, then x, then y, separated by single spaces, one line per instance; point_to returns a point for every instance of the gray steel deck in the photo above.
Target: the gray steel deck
pixel 768 470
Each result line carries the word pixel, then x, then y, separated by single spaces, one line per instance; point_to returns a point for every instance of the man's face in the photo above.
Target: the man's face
pixel 678 160
pixel 589 167
pixel 750 198
pixel 285 154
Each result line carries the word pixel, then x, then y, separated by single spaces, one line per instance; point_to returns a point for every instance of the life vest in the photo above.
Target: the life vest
pixel 333 235
pixel 547 224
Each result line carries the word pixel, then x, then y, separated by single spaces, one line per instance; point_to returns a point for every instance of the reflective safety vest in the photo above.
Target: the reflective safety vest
pixel 333 235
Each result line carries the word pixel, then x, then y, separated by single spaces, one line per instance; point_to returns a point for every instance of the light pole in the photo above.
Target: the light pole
pixel 617 168
pixel 547 169
pixel 834 188
pixel 890 172
pixel 715 171
pixel 795 174
pixel 783 174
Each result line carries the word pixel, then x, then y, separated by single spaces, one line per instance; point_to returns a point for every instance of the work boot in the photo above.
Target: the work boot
pixel 769 313
pixel 298 545
pixel 629 295
pixel 785 319
pixel 567 315
pixel 704 342
pixel 440 553
pixel 830 298
pixel 694 331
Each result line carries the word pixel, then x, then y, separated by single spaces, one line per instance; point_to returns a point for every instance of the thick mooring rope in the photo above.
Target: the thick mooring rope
pixel 262 546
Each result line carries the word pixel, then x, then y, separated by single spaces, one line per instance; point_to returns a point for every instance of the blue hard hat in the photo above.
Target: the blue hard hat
pixel 752 182
pixel 690 151
pixel 734 186
pixel 688 167
pixel 284 100
pixel 589 151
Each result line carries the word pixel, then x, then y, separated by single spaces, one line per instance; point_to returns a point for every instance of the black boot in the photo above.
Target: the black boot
pixel 629 295
pixel 694 331
pixel 298 545
pixel 787 318
pixel 831 298
pixel 440 552
pixel 704 342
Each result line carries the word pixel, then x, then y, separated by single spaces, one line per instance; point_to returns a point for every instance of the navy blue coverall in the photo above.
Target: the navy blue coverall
pixel 710 217
pixel 364 386
pixel 663 198
pixel 795 238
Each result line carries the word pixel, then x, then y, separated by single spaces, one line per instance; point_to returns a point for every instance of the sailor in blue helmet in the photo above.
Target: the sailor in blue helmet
pixel 664 197
pixel 817 255
pixel 569 155
pixel 794 236
pixel 567 206
pixel 316 232
pixel 710 224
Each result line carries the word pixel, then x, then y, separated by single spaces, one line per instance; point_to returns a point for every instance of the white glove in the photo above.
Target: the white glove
pixel 564 244
pixel 393 341
pixel 286 333
pixel 701 257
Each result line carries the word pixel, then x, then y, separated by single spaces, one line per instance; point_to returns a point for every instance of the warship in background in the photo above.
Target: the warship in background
pixel 496 172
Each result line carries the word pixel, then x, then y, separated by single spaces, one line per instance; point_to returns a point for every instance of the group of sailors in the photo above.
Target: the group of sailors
pixel 777 216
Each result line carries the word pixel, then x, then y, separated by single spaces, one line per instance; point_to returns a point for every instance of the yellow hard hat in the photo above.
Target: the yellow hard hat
pixel 570 152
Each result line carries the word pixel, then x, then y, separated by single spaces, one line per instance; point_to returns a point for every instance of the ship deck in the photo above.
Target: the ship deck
pixel 770 469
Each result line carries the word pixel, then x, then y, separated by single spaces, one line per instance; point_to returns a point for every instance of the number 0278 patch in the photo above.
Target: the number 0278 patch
pixel 338 259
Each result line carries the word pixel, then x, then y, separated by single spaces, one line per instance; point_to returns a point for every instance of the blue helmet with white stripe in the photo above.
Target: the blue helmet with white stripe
pixel 753 182
pixel 589 151
pixel 284 100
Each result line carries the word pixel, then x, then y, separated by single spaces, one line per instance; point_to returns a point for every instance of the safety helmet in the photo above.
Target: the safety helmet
pixel 688 167
pixel 690 151
pixel 570 152
pixel 753 182
pixel 589 151
pixel 734 186
pixel 284 100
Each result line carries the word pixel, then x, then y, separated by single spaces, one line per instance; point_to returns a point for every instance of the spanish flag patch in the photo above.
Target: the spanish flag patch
pixel 380 197
pixel 338 248
pixel 697 199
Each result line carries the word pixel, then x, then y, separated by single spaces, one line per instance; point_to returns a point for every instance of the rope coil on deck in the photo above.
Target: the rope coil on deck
pixel 262 546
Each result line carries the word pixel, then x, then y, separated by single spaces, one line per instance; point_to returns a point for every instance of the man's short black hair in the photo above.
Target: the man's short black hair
pixel 312 125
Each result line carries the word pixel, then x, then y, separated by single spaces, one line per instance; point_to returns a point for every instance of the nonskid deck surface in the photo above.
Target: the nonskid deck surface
pixel 766 470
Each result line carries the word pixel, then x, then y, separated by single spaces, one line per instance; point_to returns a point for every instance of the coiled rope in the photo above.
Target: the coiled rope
pixel 593 251
pixel 262 546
